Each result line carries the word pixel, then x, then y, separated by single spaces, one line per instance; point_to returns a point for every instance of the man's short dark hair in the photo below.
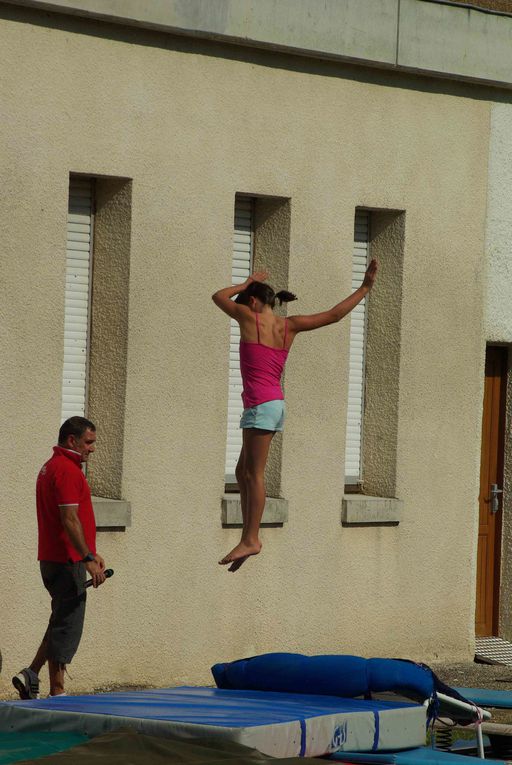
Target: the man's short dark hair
pixel 74 426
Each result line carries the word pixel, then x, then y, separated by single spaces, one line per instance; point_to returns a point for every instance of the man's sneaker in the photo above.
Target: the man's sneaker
pixel 26 683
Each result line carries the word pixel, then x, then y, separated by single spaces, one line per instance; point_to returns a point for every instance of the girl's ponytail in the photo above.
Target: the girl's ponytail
pixel 285 297
pixel 265 293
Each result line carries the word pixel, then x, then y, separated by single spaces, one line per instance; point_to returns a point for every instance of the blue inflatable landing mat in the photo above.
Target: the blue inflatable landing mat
pixel 331 674
pixel 278 724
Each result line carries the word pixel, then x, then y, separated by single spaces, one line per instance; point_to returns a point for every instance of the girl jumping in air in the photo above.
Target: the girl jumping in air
pixel 265 340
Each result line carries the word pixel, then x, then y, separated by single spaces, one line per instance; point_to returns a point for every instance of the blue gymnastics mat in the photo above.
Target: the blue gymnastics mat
pixel 487 697
pixel 277 724
pixel 423 755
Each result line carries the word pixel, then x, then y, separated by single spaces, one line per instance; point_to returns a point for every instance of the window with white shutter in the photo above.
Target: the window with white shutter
pixel 240 270
pixel 353 443
pixel 77 297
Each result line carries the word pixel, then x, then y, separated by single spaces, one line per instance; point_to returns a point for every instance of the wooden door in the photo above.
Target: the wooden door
pixel 491 473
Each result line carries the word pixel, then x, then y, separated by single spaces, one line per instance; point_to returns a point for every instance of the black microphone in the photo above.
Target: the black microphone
pixel 108 573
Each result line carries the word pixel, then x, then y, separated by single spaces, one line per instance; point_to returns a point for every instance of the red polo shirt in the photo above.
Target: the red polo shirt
pixel 61 482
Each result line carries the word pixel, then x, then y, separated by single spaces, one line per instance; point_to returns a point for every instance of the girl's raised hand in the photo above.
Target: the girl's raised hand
pixel 258 276
pixel 370 275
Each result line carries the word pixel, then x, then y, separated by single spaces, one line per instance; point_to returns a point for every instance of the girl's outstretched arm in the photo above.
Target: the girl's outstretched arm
pixel 222 297
pixel 337 312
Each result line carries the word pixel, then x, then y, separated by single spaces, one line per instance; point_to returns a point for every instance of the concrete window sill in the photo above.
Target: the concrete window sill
pixel 360 510
pixel 275 513
pixel 112 513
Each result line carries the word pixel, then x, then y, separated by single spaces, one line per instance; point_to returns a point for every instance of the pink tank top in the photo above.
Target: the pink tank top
pixel 261 367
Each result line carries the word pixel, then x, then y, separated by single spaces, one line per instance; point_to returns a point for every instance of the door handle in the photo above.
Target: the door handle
pixel 495 502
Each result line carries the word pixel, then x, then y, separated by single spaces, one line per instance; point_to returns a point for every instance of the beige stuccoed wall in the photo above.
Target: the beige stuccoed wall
pixel 108 339
pixel 272 254
pixel 382 357
pixel 192 127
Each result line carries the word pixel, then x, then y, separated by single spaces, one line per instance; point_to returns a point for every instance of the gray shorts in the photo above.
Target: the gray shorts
pixel 65 583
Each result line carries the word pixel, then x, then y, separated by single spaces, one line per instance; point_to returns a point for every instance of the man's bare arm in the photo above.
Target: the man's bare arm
pixel 73 528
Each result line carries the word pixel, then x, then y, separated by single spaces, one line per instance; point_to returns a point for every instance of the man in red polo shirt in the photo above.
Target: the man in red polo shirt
pixel 66 550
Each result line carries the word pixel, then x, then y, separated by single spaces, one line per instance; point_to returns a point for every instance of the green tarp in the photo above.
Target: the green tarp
pixel 15 747
pixel 127 747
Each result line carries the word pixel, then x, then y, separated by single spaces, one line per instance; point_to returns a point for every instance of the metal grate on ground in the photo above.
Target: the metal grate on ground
pixel 493 650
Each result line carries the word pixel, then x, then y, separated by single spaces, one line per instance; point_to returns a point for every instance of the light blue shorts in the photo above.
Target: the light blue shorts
pixel 266 416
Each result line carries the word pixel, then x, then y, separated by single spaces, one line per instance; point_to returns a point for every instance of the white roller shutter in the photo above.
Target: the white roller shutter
pixel 353 443
pixel 77 297
pixel 240 270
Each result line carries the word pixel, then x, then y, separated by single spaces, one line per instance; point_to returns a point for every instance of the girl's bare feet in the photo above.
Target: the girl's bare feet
pixel 239 554
pixel 236 565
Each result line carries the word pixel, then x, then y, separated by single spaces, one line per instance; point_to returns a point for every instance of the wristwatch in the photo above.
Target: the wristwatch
pixel 88 558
